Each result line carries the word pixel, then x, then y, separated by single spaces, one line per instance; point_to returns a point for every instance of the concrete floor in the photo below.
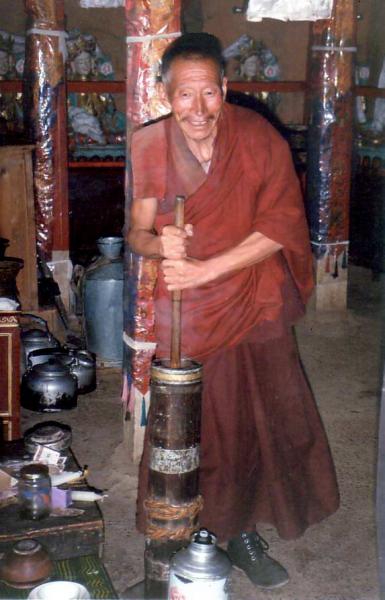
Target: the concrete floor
pixel 335 560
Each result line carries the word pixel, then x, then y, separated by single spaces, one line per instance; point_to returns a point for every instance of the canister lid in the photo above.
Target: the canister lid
pixel 203 536
pixel 27 547
pixel 34 472
pixel 57 436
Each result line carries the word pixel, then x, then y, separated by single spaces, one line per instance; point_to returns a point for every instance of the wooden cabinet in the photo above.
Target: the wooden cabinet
pixel 17 217
pixel 10 375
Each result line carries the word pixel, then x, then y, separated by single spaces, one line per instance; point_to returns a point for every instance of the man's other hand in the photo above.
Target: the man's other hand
pixel 186 273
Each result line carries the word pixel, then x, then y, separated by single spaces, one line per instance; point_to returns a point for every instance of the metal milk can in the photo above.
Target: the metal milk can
pixel 103 303
pixel 200 571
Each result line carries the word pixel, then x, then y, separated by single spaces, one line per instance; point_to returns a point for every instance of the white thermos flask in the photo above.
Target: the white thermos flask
pixel 200 571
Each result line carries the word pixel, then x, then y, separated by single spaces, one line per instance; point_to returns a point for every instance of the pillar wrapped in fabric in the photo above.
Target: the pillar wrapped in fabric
pixel 45 114
pixel 151 26
pixel 331 110
pixel 172 503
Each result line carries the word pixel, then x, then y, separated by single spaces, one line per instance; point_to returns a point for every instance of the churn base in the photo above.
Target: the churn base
pixel 136 592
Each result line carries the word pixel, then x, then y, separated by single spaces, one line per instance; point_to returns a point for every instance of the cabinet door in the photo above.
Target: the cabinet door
pixel 17 218
pixel 10 375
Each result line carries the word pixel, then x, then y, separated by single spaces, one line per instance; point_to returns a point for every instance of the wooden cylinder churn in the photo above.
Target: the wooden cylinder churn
pixel 172 502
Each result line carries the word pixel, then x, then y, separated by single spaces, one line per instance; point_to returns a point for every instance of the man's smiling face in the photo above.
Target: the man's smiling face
pixel 196 94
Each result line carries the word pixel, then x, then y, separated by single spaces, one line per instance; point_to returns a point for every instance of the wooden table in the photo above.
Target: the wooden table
pixel 87 570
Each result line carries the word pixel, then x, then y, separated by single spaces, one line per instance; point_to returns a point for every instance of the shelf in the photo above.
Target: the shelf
pixel 11 85
pixel 87 164
pixel 111 87
pixel 371 92
pixel 119 87
pixel 267 86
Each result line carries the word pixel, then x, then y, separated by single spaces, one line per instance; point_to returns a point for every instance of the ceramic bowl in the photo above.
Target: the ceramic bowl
pixel 26 564
pixel 60 590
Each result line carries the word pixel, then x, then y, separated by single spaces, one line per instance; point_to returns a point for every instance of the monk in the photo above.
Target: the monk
pixel 244 264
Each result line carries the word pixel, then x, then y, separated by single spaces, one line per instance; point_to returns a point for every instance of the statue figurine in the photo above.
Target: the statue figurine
pixel 113 122
pixel 82 66
pixel 86 127
pixel 11 111
pixel 258 63
pixel 93 117
pixel 250 67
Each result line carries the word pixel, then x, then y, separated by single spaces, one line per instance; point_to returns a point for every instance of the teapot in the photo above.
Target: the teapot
pixel 49 387
pixel 35 339
pixel 80 362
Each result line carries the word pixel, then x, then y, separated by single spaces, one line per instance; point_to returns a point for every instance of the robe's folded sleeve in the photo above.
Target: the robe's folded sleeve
pixel 149 162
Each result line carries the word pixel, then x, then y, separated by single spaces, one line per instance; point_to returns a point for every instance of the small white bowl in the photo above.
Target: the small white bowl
pixel 60 590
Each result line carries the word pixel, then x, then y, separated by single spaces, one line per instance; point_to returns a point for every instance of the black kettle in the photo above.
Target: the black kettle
pixel 81 363
pixel 49 387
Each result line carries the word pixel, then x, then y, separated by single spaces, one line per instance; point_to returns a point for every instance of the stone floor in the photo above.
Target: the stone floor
pixel 335 560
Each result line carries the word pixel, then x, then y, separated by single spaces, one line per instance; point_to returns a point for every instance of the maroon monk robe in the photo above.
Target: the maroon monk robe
pixel 264 454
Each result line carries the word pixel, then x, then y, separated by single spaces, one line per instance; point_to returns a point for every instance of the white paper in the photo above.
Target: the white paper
pixel 46 455
pixel 8 304
pixel 289 10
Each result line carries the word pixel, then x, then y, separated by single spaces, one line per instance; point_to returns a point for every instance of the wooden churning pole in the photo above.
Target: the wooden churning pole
pixel 176 297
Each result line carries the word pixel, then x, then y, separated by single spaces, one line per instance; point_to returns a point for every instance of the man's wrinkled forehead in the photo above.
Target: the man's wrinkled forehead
pixel 181 64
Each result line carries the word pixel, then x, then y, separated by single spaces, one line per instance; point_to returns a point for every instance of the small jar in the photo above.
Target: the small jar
pixel 34 492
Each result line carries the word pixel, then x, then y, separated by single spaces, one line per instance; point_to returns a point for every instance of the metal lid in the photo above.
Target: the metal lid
pixel 189 372
pixel 34 472
pixel 52 368
pixel 27 547
pixel 84 357
pixel 110 247
pixel 203 536
pixel 202 559
pixel 34 335
pixel 110 240
pixel 57 436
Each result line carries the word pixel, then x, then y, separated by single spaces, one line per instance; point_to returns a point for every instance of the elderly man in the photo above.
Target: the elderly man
pixel 244 265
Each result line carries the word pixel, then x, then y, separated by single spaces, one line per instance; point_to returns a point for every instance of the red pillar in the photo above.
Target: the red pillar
pixel 330 136
pixel 151 26
pixel 45 112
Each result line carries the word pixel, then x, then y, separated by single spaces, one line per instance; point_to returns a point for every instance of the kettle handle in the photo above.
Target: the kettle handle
pixel 39 320
pixel 35 318
pixel 50 352
pixel 75 359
